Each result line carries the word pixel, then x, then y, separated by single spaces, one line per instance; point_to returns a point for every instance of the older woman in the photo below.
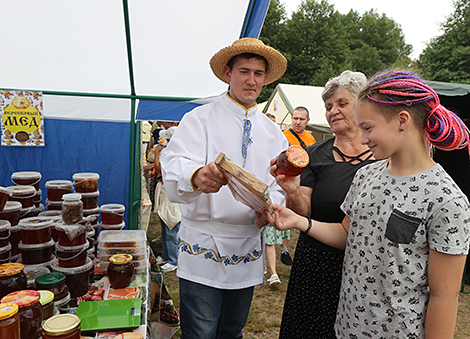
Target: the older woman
pixel 314 284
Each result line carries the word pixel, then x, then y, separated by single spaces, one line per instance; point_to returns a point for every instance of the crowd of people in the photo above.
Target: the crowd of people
pixel 384 230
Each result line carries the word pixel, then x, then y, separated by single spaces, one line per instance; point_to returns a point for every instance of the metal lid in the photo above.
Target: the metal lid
pixel 8 310
pixel 23 298
pixel 46 297
pixel 61 324
pixel 120 259
pixel 50 279
pixel 11 268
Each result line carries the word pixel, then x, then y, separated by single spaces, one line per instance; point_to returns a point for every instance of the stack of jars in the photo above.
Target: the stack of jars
pixel 87 185
pixel 36 245
pixel 27 191
pixel 5 246
pixel 12 213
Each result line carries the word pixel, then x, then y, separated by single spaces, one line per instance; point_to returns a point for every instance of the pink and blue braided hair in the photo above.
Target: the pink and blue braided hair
pixel 444 129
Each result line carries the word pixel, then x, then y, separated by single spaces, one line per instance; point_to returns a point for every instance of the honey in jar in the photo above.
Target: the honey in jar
pixel 36 230
pixel 62 326
pixel 23 194
pixel 292 161
pixel 120 270
pixel 72 208
pixel 54 282
pixel 12 278
pixel 85 182
pixel 47 303
pixel 11 212
pixel 9 321
pixel 36 254
pixel 4 195
pixel 90 200
pixel 26 178
pixel 5 226
pixel 57 188
pixel 112 214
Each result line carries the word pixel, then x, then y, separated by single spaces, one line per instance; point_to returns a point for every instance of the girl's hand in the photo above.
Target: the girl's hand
pixel 284 218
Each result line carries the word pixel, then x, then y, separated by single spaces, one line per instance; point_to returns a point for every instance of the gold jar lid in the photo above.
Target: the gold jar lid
pixel 61 324
pixel 120 259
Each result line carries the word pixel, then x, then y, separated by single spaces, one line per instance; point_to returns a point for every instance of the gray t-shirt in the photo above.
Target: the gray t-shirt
pixel 394 222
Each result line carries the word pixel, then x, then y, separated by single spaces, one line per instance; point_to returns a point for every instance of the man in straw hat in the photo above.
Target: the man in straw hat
pixel 221 248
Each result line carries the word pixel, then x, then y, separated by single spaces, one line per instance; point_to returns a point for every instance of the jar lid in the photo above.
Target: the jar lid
pixel 39 192
pixel 72 270
pixel 50 279
pixel 7 310
pixel 35 223
pixel 112 208
pixel 61 324
pixel 34 247
pixel 297 156
pixel 12 206
pixel 51 213
pixel 26 175
pixel 71 248
pixel 120 259
pixel 78 177
pixel 23 298
pixel 113 227
pixel 5 190
pixel 4 225
pixel 34 271
pixel 53 203
pixel 59 184
pixel 11 268
pixel 46 297
pixel 71 197
pixel 22 190
pixel 5 248
pixel 90 194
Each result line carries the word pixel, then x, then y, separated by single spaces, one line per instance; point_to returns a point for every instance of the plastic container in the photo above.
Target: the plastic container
pixel 90 200
pixel 27 212
pixel 11 212
pixel 112 214
pixel 76 278
pixel 30 311
pixel 9 321
pixel 52 213
pixel 117 227
pixel 62 303
pixel 26 178
pixel 125 238
pixel 23 194
pixel 54 282
pixel 292 161
pixel 85 182
pixel 5 253
pixel 12 278
pixel 71 256
pixel 5 227
pixel 57 188
pixel 15 258
pixel 72 208
pixel 53 205
pixel 62 326
pixel 15 238
pixel 70 235
pixel 32 272
pixel 36 254
pixel 92 212
pixel 5 193
pixel 138 253
pixel 36 230
pixel 47 303
pixel 34 212
pixel 37 198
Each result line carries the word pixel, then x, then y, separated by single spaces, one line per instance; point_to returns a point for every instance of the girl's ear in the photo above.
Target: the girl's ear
pixel 404 120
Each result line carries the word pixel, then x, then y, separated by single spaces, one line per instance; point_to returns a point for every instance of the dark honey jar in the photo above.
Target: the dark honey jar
pixel 292 161
pixel 23 194
pixel 57 188
pixel 5 227
pixel 36 254
pixel 90 200
pixel 112 214
pixel 54 282
pixel 9 321
pixel 12 278
pixel 76 278
pixel 85 182
pixel 70 235
pixel 36 230
pixel 120 270
pixel 26 178
pixel 11 212
pixel 4 195
pixel 47 303
pixel 71 256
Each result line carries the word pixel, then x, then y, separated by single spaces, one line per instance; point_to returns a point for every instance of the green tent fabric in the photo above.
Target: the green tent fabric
pixel 449 88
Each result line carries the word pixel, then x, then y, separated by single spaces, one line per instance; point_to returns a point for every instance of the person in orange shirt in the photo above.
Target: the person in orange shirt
pixel 296 135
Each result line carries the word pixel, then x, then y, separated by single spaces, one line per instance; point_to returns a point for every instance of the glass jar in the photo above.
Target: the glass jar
pixel 5 193
pixel 112 214
pixel 23 194
pixel 292 161
pixel 36 254
pixel 9 321
pixel 62 326
pixel 5 226
pixel 12 278
pixel 90 200
pixel 57 188
pixel 32 272
pixel 120 270
pixel 47 303
pixel 36 230
pixel 54 282
pixel 26 178
pixel 85 182
pixel 72 208
pixel 30 311
pixel 11 212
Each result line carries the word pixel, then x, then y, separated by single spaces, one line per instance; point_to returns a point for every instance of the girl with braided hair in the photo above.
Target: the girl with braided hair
pixel 407 225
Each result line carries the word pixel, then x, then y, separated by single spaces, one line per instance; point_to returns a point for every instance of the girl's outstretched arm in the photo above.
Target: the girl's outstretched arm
pixel 332 234
pixel 444 278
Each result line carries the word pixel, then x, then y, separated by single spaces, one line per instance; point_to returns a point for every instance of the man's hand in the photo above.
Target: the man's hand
pixel 209 179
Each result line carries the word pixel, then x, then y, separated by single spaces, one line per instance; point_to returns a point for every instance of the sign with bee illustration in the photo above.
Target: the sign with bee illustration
pixel 22 121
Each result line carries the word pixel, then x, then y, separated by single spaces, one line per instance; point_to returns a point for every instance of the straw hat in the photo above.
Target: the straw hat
pixel 276 62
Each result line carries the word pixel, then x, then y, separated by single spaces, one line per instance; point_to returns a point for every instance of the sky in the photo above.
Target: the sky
pixel 419 20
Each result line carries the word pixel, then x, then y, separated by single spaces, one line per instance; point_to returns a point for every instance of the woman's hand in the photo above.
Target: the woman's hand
pixel 283 218
pixel 291 185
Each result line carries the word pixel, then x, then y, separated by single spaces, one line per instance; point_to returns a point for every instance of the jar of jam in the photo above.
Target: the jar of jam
pixel 36 230
pixel 54 205
pixel 72 208
pixel 76 278
pixel 30 311
pixel 26 178
pixel 71 256
pixel 15 238
pixel 62 326
pixel 5 226
pixel 90 200
pixel 85 182
pixel 120 270
pixel 23 194
pixel 54 282
pixel 57 188
pixel 292 161
pixel 112 214
pixel 36 254
pixel 12 278
pixel 70 235
pixel 9 321
pixel 11 212
pixel 5 193
pixel 47 303
pixel 5 254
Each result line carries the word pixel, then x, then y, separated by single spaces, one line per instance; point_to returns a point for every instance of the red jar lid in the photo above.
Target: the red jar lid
pixel 120 259
pixel 11 268
pixel 297 156
pixel 23 298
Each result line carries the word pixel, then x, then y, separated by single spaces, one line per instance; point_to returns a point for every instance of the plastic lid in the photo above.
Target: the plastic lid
pixel 112 208
pixel 46 297
pixel 35 223
pixel 26 175
pixel 297 156
pixel 50 279
pixel 90 195
pixel 114 227
pixel 39 192
pixel 5 248
pixel 71 248
pixel 84 176
pixel 72 197
pixel 7 310
pixel 52 203
pixel 23 298
pixel 22 246
pixel 4 225
pixel 62 302
pixel 21 190
pixel 11 268
pixel 120 259
pixel 59 184
pixel 72 270
pixel 51 213
pixel 124 238
pixel 5 190
pixel 61 324
pixel 12 206
pixel 34 271
pixel 91 211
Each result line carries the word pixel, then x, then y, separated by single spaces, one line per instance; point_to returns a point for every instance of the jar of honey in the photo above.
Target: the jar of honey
pixel 47 303
pixel 36 230
pixel 76 278
pixel 57 188
pixel 62 326
pixel 5 226
pixel 54 205
pixel 36 254
pixel 71 256
pixel 23 194
pixel 72 208
pixel 70 235
pixel 5 193
pixel 5 254
pixel 54 282
pixel 12 278
pixel 9 321
pixel 120 270
pixel 112 214
pixel 30 311
pixel 95 212
pixel 26 178
pixel 85 182
pixel 15 238
pixel 90 200
pixel 292 161
pixel 11 212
